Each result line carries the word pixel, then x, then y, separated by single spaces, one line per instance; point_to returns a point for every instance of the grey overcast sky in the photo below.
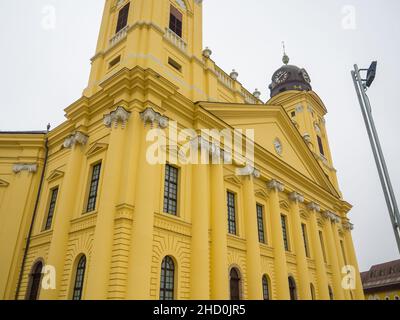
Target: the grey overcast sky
pixel 45 67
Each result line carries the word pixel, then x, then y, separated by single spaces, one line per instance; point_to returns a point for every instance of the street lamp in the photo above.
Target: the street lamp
pixel 361 85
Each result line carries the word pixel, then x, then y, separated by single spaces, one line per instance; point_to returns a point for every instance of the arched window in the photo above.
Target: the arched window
pixel 312 289
pixel 265 284
pixel 292 289
pixel 35 279
pixel 79 279
pixel 167 285
pixel 387 298
pixel 331 297
pixel 235 284
pixel 396 298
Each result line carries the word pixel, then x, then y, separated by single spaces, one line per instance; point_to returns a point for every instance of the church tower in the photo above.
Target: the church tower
pixel 291 88
pixel 162 35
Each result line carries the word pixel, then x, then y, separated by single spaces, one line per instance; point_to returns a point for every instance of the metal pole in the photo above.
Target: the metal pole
pixel 378 154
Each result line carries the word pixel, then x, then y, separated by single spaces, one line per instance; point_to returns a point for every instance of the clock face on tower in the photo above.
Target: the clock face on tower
pixel 281 76
pixel 306 76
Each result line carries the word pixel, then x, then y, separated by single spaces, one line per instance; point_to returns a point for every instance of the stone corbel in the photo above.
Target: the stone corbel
pixel 348 226
pixel 152 117
pixel 30 167
pixel 276 185
pixel 117 116
pixel 248 171
pixel 76 138
pixel 312 206
pixel 331 216
pixel 296 197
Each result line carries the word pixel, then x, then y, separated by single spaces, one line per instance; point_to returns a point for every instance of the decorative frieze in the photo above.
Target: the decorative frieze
pixel 296 197
pixel 30 167
pixel 276 185
pixel 76 138
pixel 312 206
pixel 120 115
pixel 331 216
pixel 154 118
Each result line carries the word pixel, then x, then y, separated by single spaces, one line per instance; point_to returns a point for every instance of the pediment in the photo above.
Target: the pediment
pixel 233 179
pixel 54 175
pixel 261 194
pixel 275 133
pixel 3 183
pixel 96 148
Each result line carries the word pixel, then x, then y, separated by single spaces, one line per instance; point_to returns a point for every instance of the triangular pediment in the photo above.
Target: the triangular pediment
pixel 233 179
pixel 271 124
pixel 54 175
pixel 3 183
pixel 96 148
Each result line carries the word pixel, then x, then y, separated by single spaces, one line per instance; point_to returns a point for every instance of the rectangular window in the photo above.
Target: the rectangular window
pixel 321 239
pixel 123 18
pixel 175 21
pixel 94 186
pixel 285 232
pixel 114 62
pixel 174 64
pixel 320 145
pixel 231 213
pixel 171 190
pixel 52 207
pixel 293 114
pixel 260 222
pixel 305 239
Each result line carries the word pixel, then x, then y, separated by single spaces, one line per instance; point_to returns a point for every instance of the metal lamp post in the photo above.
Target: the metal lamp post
pixel 361 85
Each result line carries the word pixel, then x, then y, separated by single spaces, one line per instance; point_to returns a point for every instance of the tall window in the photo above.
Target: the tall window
pixel 52 206
pixel 167 284
pixel 331 297
pixel 94 186
pixel 320 145
pixel 175 21
pixel 79 279
pixel 292 289
pixel 235 284
pixel 260 222
pixel 123 18
pixel 321 239
pixel 305 239
pixel 35 279
pixel 285 232
pixel 231 213
pixel 171 190
pixel 265 285
pixel 312 289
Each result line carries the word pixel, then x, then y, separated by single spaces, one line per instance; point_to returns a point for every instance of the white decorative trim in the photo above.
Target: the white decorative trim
pixel 207 52
pixel 278 146
pixel 307 137
pixel 312 206
pixel 30 167
pixel 348 226
pixel 152 117
pixel 299 108
pixel 234 75
pixel 296 197
pixel 331 216
pixel 119 115
pixel 276 185
pixel 182 4
pixel 248 171
pixel 77 137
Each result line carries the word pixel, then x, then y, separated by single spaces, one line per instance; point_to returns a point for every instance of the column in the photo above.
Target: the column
pixel 147 185
pixel 254 276
pixel 322 278
pixel 341 258
pixel 200 264
pixel 280 266
pixel 299 246
pixel 333 256
pixel 100 261
pixel 347 228
pixel 219 229
pixel 66 205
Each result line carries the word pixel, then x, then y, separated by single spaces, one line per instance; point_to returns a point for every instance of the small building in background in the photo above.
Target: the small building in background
pixel 382 281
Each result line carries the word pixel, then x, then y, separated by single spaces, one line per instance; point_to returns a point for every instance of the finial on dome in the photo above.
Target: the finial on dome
pixel 285 58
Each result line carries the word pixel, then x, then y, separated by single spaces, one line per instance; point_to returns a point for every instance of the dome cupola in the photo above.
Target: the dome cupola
pixel 289 77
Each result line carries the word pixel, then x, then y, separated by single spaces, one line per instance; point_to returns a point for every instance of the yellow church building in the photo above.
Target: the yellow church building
pixel 85 215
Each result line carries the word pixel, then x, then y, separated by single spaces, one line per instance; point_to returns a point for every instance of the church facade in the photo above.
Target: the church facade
pixel 84 214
